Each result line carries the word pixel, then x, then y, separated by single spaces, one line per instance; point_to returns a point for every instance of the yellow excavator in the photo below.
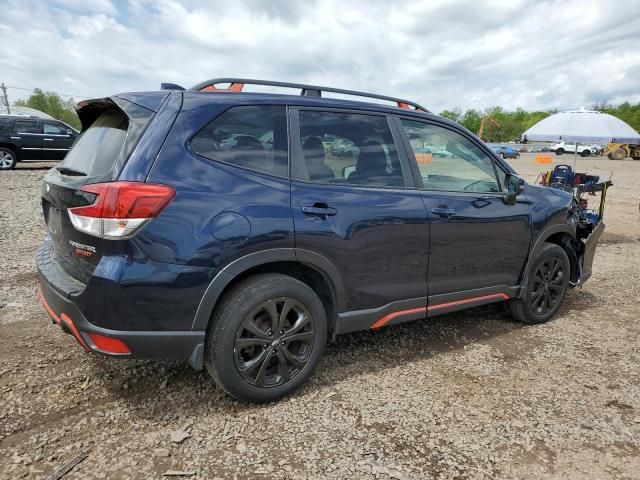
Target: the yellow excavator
pixel 620 151
pixel 482 122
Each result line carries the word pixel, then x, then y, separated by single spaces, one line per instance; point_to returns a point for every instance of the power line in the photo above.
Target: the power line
pixel 57 93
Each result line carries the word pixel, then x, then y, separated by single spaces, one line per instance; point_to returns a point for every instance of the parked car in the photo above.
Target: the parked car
pixel 506 151
pixel 167 241
pixel 583 150
pixel 31 138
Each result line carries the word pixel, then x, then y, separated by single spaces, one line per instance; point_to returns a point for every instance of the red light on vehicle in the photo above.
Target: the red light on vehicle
pixel 120 208
pixel 109 344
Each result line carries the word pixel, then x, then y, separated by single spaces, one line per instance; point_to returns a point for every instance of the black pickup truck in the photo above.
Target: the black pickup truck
pixel 31 138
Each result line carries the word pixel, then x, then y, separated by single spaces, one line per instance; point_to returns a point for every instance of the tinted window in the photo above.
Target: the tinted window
pixel 253 137
pixel 4 124
pixel 26 126
pixel 98 147
pixel 449 161
pixel 53 128
pixel 347 148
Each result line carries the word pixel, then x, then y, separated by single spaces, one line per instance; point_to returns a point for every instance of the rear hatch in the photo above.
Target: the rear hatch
pixel 111 128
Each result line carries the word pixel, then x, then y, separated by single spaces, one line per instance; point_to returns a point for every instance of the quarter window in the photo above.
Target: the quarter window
pixel 448 161
pixel 346 148
pixel 26 126
pixel 253 137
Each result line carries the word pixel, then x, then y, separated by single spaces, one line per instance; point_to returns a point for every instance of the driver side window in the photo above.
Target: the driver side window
pixel 448 161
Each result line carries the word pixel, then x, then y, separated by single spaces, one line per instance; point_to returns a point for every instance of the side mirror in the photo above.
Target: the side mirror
pixel 69 132
pixel 514 186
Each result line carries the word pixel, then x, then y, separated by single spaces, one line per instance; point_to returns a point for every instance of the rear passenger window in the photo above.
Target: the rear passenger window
pixel 26 126
pixel 347 148
pixel 253 137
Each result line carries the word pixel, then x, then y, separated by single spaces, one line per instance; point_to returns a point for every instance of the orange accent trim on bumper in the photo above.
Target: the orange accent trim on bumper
pixel 110 345
pixel 69 324
pixel 46 306
pixel 390 316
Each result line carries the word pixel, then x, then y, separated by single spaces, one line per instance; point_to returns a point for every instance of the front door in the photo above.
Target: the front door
pixel 27 135
pixel 479 244
pixel 56 141
pixel 352 204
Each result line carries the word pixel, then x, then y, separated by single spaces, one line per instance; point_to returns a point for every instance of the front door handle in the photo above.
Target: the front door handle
pixel 443 212
pixel 320 210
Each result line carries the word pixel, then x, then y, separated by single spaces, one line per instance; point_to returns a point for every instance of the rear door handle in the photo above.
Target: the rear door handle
pixel 319 210
pixel 48 139
pixel 443 212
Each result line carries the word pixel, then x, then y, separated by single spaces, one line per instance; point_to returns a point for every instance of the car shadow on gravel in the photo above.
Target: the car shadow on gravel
pixel 173 388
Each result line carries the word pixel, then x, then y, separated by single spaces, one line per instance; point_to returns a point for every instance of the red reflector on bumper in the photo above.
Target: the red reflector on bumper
pixel 109 344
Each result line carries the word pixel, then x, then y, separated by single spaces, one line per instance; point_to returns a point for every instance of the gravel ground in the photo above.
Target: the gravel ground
pixel 466 395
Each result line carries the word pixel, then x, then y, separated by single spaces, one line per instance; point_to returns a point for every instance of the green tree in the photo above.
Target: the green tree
pixel 455 114
pixel 52 104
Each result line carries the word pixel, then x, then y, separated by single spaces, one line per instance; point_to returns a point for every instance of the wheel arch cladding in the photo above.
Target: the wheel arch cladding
pixel 562 235
pixel 312 269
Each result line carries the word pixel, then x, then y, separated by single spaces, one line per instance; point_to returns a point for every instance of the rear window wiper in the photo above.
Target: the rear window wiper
pixel 71 172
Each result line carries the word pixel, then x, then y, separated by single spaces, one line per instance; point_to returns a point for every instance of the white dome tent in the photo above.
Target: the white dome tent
pixel 582 126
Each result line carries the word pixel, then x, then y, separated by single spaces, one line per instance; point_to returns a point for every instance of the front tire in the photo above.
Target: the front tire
pixel 8 158
pixel 560 151
pixel 618 154
pixel 546 287
pixel 266 338
pixel 585 153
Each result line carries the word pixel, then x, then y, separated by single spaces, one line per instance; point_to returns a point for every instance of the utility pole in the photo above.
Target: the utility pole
pixel 6 99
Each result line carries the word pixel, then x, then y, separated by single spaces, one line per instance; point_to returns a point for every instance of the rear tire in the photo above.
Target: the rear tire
pixel 254 352
pixel 546 287
pixel 8 158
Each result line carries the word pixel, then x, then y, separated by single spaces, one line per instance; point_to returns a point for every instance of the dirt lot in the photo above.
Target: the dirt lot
pixel 467 395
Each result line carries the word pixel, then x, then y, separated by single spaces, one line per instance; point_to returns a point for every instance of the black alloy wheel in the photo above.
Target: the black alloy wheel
pixel 547 286
pixel 274 342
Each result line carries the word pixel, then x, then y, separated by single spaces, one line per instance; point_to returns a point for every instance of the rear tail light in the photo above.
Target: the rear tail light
pixel 120 208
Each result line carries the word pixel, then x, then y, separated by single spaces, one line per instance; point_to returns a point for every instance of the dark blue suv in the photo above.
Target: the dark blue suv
pixel 221 227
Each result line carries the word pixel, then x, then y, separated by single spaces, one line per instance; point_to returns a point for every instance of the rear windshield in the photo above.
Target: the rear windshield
pixel 98 147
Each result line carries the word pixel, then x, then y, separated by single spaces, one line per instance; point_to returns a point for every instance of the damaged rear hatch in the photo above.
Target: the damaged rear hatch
pixel 111 128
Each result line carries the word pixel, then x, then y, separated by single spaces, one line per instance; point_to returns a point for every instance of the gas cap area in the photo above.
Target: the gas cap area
pixel 230 227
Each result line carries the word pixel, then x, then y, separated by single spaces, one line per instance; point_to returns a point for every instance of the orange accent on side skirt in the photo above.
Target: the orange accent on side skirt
pixel 46 306
pixel 503 296
pixel 74 331
pixel 390 316
pixel 393 315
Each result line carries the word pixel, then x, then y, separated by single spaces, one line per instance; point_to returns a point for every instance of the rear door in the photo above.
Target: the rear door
pixel 27 135
pixel 478 243
pixel 56 140
pixel 356 207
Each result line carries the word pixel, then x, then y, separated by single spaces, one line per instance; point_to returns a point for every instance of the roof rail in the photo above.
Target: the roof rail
pixel 237 84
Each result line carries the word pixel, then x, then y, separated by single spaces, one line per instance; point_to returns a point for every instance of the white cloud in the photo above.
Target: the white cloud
pixel 550 54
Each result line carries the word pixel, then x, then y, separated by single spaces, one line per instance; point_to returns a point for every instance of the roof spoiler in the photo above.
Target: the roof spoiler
pixel 171 86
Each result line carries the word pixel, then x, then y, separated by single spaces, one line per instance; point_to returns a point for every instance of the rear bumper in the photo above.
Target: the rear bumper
pixel 184 345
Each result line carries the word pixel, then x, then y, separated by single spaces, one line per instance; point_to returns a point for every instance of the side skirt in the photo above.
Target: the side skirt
pixel 423 307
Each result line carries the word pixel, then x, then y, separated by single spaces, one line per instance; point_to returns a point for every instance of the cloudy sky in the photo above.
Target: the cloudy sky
pixel 442 54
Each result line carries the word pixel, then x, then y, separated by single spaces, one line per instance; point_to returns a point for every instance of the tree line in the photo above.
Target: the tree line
pixel 512 123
